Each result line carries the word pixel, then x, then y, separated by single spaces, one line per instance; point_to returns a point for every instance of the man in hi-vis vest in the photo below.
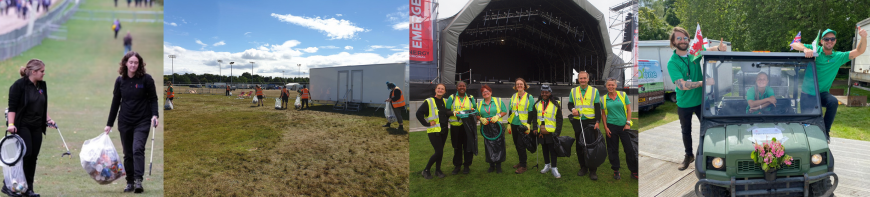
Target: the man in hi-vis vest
pixel 460 101
pixel 585 111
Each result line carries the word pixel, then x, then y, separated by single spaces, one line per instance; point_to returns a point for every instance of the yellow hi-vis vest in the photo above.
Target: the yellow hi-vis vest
pixel 519 106
pixel 432 116
pixel 464 104
pixel 547 118
pixel 621 96
pixel 585 107
pixel 494 100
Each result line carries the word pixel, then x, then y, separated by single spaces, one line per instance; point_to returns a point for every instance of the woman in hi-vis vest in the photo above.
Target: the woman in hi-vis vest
pixel 433 115
pixel 548 126
pixel 520 108
pixel 491 110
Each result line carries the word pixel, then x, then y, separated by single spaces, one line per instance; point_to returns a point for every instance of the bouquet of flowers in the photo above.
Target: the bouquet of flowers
pixel 771 155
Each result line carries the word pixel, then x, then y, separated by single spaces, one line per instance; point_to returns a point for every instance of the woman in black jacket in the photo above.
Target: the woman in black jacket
pixel 135 94
pixel 28 116
pixel 437 130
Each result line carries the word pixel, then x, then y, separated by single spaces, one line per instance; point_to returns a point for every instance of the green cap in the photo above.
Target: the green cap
pixel 829 31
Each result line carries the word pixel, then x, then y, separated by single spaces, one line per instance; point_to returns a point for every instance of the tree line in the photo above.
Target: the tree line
pixel 191 78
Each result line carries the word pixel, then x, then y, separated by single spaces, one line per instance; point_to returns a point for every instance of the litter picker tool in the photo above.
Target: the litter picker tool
pixel 61 138
pixel 152 149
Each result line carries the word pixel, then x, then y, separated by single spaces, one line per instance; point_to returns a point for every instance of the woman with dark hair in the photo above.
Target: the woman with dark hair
pixel 28 116
pixel 548 113
pixel 491 110
pixel 135 94
pixel 433 115
pixel 520 107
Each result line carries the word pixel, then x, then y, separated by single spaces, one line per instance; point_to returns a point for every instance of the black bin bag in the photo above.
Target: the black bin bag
pixel 470 125
pixel 593 144
pixel 493 142
pixel 530 143
pixel 563 147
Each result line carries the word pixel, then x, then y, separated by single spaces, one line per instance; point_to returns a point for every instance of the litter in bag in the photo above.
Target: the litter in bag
pixel 101 161
pixel 298 103
pixel 389 113
pixel 277 103
pixel 563 147
pixel 13 150
pixel 494 142
pixel 168 105
pixel 255 100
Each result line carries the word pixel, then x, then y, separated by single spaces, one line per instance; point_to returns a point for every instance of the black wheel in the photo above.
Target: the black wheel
pixel 672 97
pixel 714 191
pixel 819 188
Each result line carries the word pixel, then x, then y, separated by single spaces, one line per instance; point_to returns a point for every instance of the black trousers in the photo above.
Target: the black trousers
pixel 459 140
pixel 685 115
pixel 590 134
pixel 550 152
pixel 284 101
pixel 617 134
pixel 133 139
pixel 518 144
pixel 304 104
pixel 32 136
pixel 438 140
pixel 116 34
pixel 228 93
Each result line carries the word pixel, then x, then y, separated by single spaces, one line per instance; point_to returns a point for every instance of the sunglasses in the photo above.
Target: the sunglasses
pixel 682 38
pixel 829 39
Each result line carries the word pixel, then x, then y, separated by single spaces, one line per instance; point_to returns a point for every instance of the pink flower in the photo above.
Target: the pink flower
pixel 787 162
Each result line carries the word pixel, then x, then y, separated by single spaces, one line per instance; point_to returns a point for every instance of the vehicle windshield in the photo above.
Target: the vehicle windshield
pixel 755 88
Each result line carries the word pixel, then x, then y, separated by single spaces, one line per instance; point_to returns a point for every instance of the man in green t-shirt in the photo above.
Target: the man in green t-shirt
pixel 827 64
pixel 688 78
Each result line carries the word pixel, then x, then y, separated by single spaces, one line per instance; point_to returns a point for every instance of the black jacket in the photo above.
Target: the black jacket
pixel 18 99
pixel 443 113
pixel 136 98
pixel 534 117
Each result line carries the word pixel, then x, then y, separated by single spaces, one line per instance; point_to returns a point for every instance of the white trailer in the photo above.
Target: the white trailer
pixel 860 72
pixel 365 84
pixel 661 50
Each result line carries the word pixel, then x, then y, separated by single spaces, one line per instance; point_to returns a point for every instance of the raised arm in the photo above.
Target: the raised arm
pixel 861 45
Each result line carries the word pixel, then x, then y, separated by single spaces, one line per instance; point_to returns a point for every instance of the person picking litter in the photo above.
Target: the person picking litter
pixel 397 101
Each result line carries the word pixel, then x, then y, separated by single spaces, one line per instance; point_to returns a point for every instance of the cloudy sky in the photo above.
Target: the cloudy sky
pixel 278 35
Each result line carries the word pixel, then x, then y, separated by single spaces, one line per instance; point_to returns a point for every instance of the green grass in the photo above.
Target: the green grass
pixel 80 72
pixel 530 183
pixel 661 115
pixel 222 146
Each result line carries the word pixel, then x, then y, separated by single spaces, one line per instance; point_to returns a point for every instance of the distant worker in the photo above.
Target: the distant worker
pixel 259 96
pixel 397 99
pixel 128 42
pixel 116 27
pixel 304 96
pixel 285 97
pixel 170 92
pixel 228 89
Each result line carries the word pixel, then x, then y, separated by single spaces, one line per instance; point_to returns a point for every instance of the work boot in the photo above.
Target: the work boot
pixel 401 128
pixel 439 174
pixel 546 169
pixel 689 159
pixel 593 176
pixel 498 169
pixel 455 170
pixel 129 188
pixel 555 172
pixel 616 175
pixel 137 186
pixel 30 194
pixel 8 192
pixel 466 170
pixel 491 169
pixel 516 166
pixel 426 174
pixel 386 125
pixel 520 170
pixel 582 171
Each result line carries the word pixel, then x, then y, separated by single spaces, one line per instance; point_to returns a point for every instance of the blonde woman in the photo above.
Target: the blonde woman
pixel 617 115
pixel 520 108
pixel 433 114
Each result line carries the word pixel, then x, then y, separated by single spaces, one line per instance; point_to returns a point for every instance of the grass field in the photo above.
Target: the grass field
pixel 223 146
pixel 530 183
pixel 663 114
pixel 80 73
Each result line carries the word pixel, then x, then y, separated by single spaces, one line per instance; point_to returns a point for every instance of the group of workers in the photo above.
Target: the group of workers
pixel 304 95
pixel 539 119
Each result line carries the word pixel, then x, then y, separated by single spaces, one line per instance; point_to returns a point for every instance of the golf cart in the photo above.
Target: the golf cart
pixel 729 129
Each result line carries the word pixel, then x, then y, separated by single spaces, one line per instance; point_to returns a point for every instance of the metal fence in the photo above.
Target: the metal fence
pixel 220 88
pixel 123 16
pixel 17 41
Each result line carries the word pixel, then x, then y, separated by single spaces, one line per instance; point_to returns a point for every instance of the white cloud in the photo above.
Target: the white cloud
pixel 271 59
pixel 246 34
pixel 220 43
pixel 214 37
pixel 373 47
pixel 328 47
pixel 348 48
pixel 399 19
pixel 182 20
pixel 310 49
pixel 338 15
pixel 334 28
pixel 167 23
pixel 200 43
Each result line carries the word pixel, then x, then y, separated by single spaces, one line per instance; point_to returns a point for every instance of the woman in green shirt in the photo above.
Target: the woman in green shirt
pixel 760 96
pixel 491 110
pixel 618 117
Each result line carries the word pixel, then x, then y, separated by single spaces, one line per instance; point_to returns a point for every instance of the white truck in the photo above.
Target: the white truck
pixel 660 50
pixel 860 72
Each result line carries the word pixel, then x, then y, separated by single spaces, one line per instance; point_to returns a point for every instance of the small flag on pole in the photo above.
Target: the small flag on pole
pixel 816 42
pixel 698 44
pixel 797 39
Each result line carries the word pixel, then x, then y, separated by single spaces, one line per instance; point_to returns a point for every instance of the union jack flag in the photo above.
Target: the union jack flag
pixel 797 39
